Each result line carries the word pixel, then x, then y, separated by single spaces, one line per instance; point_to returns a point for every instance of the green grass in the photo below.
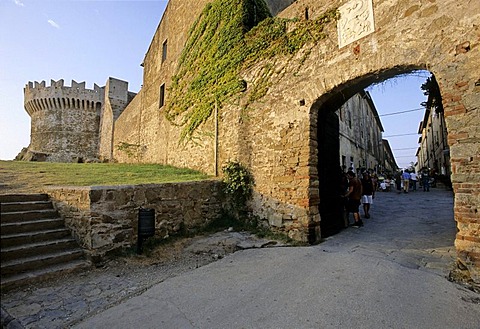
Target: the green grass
pixel 18 174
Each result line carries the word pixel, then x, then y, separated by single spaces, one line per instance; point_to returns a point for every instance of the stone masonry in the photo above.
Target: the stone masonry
pixel 277 138
pixel 67 122
pixel 103 219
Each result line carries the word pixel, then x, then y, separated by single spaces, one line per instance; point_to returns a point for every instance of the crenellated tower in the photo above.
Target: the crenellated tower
pixel 65 121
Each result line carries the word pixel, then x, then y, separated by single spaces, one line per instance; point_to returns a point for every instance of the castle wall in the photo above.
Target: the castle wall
pixel 64 120
pixel 107 126
pixel 117 98
pixel 125 146
pixel 156 137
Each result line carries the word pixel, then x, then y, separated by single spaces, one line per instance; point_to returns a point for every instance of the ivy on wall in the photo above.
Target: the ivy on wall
pixel 228 37
pixel 130 150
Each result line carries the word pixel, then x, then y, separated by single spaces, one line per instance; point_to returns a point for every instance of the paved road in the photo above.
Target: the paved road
pixel 391 273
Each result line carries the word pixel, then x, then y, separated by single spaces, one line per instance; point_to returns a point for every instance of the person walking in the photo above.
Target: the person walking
pixel 405 180
pixel 398 181
pixel 426 180
pixel 354 194
pixel 368 193
pixel 413 181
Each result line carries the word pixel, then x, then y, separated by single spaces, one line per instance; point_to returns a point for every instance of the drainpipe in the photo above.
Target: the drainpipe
pixel 215 146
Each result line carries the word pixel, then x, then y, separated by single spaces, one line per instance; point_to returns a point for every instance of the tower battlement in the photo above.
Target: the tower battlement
pixel 38 96
pixel 65 120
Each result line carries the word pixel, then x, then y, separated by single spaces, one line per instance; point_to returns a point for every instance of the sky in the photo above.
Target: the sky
pixel 401 94
pixel 86 40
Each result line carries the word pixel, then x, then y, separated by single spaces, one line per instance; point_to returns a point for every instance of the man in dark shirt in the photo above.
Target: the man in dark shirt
pixel 354 194
pixel 368 193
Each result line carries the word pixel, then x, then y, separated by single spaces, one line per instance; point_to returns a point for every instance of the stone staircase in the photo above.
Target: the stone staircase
pixel 35 244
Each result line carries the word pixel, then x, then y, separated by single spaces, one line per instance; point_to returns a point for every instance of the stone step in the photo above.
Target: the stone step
pixel 43 274
pixel 32 226
pixel 35 244
pixel 25 206
pixel 36 249
pixel 29 264
pixel 16 239
pixel 16 216
pixel 23 197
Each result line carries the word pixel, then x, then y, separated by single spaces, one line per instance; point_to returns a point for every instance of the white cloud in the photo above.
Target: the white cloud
pixel 19 3
pixel 52 23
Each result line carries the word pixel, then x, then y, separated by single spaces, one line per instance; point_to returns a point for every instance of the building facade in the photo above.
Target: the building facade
pixel 389 159
pixel 361 145
pixel 433 153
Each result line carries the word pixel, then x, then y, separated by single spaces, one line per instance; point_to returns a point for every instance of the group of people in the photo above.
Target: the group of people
pixel 406 180
pixel 360 191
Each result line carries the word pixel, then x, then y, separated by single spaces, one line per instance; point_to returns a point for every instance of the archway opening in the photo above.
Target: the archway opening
pixel 384 123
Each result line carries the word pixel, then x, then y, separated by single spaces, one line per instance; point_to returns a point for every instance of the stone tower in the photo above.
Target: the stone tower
pixel 65 121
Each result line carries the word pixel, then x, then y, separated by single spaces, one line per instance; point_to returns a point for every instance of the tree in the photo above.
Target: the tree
pixel 432 90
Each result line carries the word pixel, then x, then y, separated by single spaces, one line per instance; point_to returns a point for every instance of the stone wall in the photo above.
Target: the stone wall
pixel 70 124
pixel 157 139
pixel 117 97
pixel 104 219
pixel 64 120
pixel 127 132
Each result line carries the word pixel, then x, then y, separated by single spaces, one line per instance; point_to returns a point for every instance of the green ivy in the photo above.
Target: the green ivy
pixel 228 37
pixel 239 184
pixel 130 150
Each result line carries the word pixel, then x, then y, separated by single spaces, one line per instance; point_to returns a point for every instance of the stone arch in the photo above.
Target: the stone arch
pixel 324 109
pixel 408 36
pixel 450 60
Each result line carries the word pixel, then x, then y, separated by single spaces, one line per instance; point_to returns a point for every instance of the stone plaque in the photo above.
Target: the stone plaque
pixel 356 21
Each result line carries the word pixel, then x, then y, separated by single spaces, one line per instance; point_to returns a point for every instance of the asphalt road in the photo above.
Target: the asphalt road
pixel 391 273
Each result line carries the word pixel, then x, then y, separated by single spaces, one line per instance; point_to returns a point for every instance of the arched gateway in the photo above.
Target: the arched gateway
pixel 277 135
pixel 439 36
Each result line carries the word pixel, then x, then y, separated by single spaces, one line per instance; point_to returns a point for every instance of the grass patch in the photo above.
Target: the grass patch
pixel 17 175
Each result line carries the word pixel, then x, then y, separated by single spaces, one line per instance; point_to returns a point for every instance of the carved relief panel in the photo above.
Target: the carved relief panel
pixel 356 21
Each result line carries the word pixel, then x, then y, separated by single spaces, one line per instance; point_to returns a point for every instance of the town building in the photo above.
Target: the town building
pixel 389 159
pixel 360 133
pixel 433 153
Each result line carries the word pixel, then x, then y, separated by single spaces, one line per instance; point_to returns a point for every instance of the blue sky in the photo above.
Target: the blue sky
pixel 93 40
pixel 399 94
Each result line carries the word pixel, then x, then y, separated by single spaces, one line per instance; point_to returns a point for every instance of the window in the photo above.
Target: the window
pixel 164 51
pixel 162 96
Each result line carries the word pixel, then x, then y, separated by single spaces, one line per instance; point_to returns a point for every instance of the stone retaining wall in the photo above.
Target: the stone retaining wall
pixel 104 219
